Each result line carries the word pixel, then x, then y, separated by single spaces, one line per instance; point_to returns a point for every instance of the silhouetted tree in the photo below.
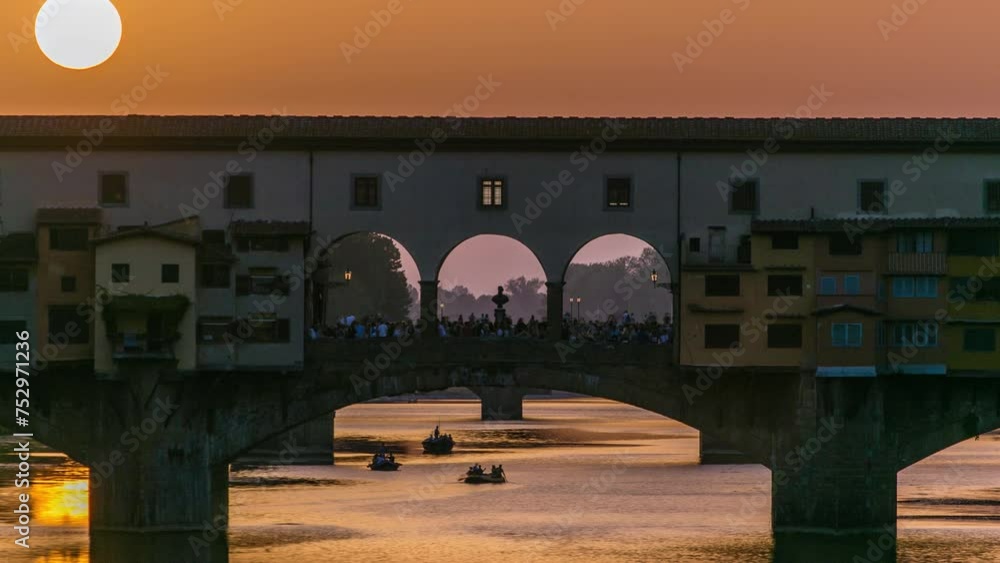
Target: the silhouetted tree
pixel 378 285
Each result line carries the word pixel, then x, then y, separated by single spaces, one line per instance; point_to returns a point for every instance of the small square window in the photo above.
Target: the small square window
pixel 828 285
pixel 239 191
pixel 68 284
pixel 114 189
pixel 991 196
pixel 120 273
pixel 842 244
pixel 871 196
pixel 784 285
pixel 846 335
pixel 68 239
pixel 722 336
pixel 784 336
pixel 694 244
pixel 852 284
pixel 743 197
pixel 491 193
pixel 170 273
pixel 365 192
pixel 722 285
pixel 618 193
pixel 785 241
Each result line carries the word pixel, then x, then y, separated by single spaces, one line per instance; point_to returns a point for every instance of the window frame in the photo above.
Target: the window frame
pixel 202 277
pixel 176 270
pixel 15 275
pixel 225 322
pixel 859 243
pixel 101 174
pixel 774 237
pixel 986 196
pixel 784 326
pixel 846 285
pixel 772 292
pixel 83 338
pixel 608 178
pixel 965 340
pixel 72 284
pixel 915 237
pixel 727 326
pixel 8 336
pixel 504 195
pixel 734 187
pixel 355 206
pixel 847 341
pixel 128 271
pixel 885 192
pixel 822 289
pixel 53 239
pixel 739 285
pixel 228 196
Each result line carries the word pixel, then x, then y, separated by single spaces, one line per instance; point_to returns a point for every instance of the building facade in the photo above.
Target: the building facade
pixel 758 220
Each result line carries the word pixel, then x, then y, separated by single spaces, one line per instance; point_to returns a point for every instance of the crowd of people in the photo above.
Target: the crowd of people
pixel 614 329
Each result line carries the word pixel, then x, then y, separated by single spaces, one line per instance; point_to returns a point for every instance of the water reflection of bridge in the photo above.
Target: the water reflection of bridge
pixel 834 445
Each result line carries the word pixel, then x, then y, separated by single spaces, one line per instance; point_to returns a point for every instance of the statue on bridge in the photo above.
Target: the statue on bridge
pixel 499 314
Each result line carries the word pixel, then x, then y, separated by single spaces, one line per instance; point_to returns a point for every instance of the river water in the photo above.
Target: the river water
pixel 590 480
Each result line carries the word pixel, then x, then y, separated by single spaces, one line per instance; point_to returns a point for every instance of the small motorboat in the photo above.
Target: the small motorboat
pixel 384 461
pixel 478 476
pixel 438 443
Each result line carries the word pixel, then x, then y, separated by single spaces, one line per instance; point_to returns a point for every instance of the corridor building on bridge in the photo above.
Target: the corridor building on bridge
pixel 750 216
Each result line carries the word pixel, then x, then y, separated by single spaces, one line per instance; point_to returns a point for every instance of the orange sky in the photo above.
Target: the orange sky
pixel 609 57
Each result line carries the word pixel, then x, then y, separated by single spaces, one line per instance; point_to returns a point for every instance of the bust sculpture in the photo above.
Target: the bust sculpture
pixel 500 300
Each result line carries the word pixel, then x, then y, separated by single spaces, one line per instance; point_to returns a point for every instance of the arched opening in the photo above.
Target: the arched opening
pixel 470 276
pixel 621 279
pixel 365 277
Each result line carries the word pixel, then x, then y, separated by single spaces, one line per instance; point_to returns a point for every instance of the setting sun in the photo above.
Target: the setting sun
pixel 78 34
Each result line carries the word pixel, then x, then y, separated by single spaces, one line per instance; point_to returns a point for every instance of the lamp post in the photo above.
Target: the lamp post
pixel 326 286
pixel 576 301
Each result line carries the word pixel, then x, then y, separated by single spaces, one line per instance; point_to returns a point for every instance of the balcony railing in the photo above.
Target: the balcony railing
pixel 931 263
pixel 728 255
pixel 141 346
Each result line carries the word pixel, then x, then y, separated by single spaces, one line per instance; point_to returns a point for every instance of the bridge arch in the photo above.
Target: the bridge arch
pixel 346 274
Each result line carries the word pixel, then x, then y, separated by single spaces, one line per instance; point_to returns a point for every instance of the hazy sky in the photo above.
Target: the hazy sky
pixel 606 57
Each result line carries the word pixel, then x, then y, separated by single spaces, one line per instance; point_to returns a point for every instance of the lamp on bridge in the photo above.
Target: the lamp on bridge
pixel 347 276
pixel 572 301
pixel 655 278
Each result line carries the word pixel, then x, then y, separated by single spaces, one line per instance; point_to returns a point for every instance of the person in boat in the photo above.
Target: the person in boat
pixel 437 432
pixel 500 472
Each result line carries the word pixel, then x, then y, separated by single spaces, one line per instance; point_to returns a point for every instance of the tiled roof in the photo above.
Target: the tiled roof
pixel 870 224
pixel 270 228
pixel 18 247
pixel 324 128
pixel 69 215
pixel 147 232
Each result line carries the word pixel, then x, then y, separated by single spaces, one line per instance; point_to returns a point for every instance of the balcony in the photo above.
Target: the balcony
pixel 137 346
pixel 918 263
pixel 725 257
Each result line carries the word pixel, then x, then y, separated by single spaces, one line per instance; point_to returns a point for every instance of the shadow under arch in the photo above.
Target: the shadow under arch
pixel 346 273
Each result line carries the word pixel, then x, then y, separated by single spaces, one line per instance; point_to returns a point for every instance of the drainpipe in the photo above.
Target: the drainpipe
pixel 679 275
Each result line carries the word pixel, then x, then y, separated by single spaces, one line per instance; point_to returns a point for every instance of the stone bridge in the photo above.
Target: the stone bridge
pixel 159 444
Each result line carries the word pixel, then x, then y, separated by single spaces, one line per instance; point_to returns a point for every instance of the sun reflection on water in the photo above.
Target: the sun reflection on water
pixel 62 503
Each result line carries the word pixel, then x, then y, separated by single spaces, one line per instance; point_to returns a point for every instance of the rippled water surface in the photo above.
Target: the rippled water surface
pixel 591 480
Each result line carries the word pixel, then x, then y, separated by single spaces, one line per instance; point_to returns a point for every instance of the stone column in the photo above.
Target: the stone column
pixel 429 308
pixel 501 403
pixel 713 451
pixel 554 308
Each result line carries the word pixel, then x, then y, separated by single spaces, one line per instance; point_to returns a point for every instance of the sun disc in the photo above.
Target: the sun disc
pixel 78 34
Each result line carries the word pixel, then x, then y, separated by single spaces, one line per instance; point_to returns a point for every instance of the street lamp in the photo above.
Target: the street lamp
pixel 655 278
pixel 577 301
pixel 347 276
pixel 442 309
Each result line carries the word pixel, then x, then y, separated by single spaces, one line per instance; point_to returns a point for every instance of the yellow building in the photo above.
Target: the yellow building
pixel 973 323
pixel 146 284
pixel 65 301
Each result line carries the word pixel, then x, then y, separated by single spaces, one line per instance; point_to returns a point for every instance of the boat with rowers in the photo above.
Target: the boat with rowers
pixel 383 460
pixel 438 443
pixel 477 475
